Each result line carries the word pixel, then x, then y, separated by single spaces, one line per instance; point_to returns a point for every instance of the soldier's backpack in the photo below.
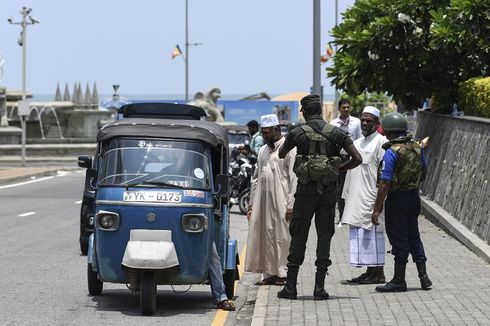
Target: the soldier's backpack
pixel 317 165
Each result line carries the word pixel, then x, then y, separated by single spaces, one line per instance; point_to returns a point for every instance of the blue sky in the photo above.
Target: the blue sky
pixel 248 46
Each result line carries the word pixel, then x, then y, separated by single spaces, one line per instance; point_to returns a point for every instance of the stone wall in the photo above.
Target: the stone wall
pixel 458 158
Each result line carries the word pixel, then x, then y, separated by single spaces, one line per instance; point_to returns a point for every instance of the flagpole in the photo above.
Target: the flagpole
pixel 336 98
pixel 186 51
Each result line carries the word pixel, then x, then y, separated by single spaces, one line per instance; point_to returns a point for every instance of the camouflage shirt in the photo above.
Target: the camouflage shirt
pixel 297 138
pixel 403 164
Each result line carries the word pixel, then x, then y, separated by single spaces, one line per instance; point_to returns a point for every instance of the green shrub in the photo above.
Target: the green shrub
pixel 474 96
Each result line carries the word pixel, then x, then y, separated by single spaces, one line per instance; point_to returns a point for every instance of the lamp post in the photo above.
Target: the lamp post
pixel 23 106
pixel 187 44
pixel 316 49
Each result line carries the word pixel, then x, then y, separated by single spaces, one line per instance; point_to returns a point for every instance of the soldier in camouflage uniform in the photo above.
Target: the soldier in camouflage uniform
pixel 317 166
pixel 402 170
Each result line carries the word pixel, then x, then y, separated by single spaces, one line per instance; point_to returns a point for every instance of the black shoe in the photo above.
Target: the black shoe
pixel 397 284
pixel 320 294
pixel 289 291
pixel 425 282
pixel 376 277
pixel 393 286
pixel 286 293
pixel 357 280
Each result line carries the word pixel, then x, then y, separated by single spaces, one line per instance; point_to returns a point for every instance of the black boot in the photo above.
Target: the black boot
pixel 377 276
pixel 397 284
pixel 319 293
pixel 367 274
pixel 289 290
pixel 425 282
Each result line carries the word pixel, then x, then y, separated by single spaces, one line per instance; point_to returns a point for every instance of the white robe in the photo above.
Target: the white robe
pixel 360 183
pixel 272 192
pixel 367 245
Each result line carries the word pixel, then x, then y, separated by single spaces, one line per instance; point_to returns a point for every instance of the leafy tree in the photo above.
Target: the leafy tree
pixel 462 32
pixel 399 47
pixel 358 102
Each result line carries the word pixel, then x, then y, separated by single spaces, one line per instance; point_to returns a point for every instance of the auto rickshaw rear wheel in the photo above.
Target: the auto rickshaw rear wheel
pixel 94 284
pixel 148 294
pixel 229 278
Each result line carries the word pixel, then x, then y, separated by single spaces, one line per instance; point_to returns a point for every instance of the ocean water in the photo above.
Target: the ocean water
pixel 162 97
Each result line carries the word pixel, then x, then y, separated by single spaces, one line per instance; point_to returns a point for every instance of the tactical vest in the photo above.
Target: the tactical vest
pixel 317 165
pixel 408 172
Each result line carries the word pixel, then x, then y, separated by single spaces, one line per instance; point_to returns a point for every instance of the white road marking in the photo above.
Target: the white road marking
pixel 26 214
pixel 25 182
pixel 78 202
pixel 62 173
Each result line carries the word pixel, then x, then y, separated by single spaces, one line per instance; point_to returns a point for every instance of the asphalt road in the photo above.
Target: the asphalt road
pixel 43 275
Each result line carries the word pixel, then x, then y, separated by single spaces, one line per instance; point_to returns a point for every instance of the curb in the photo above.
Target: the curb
pixel 34 175
pixel 451 225
pixel 260 308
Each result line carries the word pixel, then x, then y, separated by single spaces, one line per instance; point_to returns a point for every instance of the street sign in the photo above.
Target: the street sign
pixel 24 108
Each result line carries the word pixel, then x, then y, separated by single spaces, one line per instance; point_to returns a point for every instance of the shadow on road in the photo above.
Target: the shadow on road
pixel 168 302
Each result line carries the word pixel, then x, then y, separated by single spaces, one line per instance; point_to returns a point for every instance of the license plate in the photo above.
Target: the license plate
pixel 152 196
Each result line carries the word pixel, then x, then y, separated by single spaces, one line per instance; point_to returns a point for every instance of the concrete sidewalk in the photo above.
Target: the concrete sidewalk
pixel 460 295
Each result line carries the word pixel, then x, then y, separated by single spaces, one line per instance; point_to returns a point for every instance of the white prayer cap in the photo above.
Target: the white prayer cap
pixel 372 110
pixel 269 120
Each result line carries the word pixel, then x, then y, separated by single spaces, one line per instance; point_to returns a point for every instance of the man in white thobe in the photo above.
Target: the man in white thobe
pixel 271 207
pixel 367 245
pixel 352 126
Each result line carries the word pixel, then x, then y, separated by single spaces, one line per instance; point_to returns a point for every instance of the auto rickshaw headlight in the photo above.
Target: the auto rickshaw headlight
pixel 194 223
pixel 107 221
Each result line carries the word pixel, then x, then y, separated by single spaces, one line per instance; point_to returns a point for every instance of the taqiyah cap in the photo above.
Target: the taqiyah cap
pixel 372 110
pixel 269 120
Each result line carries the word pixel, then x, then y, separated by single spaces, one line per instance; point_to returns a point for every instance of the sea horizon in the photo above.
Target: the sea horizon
pixel 163 97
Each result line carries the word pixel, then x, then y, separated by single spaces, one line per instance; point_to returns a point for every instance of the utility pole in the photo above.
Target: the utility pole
pixel 186 51
pixel 23 109
pixel 316 49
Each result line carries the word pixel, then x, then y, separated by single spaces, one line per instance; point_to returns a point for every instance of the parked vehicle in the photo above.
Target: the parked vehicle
pixel 241 172
pixel 153 110
pixel 160 194
pixel 238 136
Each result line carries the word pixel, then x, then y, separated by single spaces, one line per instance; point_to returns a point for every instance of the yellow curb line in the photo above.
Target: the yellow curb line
pixel 221 315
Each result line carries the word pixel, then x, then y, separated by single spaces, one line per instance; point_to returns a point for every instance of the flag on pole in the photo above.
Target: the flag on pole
pixel 176 52
pixel 328 54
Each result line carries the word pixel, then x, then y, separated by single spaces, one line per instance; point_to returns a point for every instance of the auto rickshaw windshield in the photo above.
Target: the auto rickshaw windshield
pixel 164 163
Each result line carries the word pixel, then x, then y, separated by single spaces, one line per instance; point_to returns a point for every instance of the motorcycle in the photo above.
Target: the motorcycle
pixel 241 172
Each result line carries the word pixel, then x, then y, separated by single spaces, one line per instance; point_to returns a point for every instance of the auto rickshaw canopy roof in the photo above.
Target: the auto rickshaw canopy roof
pixel 208 132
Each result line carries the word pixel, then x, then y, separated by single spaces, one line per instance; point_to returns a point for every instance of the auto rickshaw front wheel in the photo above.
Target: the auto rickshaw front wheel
pixel 148 294
pixel 94 284
pixel 84 247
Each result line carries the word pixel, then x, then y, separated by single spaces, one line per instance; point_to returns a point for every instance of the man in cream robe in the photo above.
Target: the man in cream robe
pixel 367 245
pixel 271 205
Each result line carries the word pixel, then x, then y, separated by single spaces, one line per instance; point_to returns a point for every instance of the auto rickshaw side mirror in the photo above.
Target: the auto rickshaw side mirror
pixel 222 185
pixel 85 161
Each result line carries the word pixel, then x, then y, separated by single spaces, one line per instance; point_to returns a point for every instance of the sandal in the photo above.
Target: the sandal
pixel 267 281
pixel 226 305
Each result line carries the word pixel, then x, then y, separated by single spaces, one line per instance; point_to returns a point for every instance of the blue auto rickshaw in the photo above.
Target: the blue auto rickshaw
pixel 160 194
